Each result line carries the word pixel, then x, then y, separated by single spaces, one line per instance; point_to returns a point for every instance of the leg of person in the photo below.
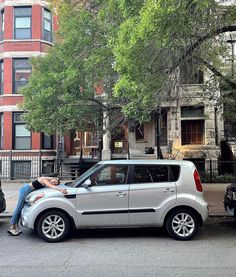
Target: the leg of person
pixel 24 191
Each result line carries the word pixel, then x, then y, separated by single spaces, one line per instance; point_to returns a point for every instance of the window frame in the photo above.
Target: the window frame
pixel 171 176
pixel 51 138
pixel 196 121
pixel 17 123
pixel 43 25
pixel 107 166
pixel 1 77
pixel 14 73
pixel 22 16
pixel 2 24
pixel 1 130
pixel 141 138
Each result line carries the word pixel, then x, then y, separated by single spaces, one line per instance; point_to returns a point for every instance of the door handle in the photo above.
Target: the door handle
pixel 169 190
pixel 121 194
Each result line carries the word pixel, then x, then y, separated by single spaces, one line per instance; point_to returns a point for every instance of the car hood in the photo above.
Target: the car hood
pixel 53 192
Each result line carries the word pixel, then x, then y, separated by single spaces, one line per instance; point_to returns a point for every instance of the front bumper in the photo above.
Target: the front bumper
pixel 27 217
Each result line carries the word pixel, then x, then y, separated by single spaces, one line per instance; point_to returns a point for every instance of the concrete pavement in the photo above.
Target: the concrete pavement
pixel 214 195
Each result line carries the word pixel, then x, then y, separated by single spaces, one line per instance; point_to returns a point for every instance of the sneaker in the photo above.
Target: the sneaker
pixel 13 232
pixel 19 230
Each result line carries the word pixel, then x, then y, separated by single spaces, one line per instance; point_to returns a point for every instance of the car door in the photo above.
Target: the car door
pixel 105 202
pixel 152 190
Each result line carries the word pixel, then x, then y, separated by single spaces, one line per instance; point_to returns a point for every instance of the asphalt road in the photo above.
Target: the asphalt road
pixel 121 252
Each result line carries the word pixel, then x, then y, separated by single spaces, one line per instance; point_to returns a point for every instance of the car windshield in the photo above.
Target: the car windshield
pixel 83 176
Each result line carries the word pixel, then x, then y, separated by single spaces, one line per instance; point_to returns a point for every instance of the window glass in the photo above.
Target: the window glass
pixel 47 142
pixel 139 131
pixel 47 25
pixel 1 130
pixel 1 76
pixel 2 22
pixel 22 72
pixel 110 175
pixel 22 136
pixel 22 11
pixel 155 173
pixel 192 131
pixel 192 111
pixel 23 22
pixel 47 14
pixel 21 131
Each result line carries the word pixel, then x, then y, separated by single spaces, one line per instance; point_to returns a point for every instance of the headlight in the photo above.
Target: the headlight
pixel 34 198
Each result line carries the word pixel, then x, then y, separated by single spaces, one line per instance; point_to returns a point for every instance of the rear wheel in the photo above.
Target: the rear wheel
pixel 182 224
pixel 53 226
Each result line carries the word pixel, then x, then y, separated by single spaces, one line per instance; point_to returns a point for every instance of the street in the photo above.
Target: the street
pixel 122 252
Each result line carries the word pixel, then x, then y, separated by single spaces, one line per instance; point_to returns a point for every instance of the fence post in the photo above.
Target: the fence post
pixel 10 165
pixel 211 176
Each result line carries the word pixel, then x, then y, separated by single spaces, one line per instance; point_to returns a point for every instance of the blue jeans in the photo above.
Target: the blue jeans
pixel 24 191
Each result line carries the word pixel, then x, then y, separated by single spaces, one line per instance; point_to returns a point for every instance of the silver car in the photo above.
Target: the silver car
pixel 122 193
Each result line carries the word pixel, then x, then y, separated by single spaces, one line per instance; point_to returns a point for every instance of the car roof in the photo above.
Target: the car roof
pixel 160 161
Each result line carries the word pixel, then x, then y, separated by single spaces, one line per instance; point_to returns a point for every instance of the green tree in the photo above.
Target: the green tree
pixel 164 36
pixel 60 95
pixel 134 47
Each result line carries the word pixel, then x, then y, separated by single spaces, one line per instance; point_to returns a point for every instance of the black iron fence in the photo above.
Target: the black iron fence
pixel 22 165
pixel 216 171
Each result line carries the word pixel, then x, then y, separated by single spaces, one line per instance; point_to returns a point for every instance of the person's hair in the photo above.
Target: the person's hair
pixel 58 180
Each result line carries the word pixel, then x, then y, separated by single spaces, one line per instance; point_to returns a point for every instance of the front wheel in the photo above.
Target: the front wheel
pixel 182 224
pixel 53 226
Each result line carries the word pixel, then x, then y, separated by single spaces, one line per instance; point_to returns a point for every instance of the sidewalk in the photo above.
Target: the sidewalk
pixel 214 195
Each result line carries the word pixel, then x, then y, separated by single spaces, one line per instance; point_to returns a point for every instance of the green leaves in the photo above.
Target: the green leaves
pixel 134 48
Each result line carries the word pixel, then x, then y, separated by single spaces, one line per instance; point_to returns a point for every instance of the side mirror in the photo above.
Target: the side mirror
pixel 87 183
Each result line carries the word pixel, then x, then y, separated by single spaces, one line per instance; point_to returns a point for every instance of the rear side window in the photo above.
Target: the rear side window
pixel 156 173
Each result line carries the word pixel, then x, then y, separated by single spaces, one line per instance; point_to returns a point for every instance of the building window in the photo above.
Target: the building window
pixel 192 124
pixel 47 25
pixel 47 141
pixel 139 131
pixel 192 131
pixel 163 128
pixel 21 73
pixel 48 167
pixel 2 25
pixel 1 131
pixel 1 76
pixel 21 136
pixel 22 23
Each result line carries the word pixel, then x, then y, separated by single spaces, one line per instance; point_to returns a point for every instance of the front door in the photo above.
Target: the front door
pixel 152 190
pixel 105 202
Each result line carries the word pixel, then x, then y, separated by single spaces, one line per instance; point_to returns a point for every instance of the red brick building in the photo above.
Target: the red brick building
pixel 25 31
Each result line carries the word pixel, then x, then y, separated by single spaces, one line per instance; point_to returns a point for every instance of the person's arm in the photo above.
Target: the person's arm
pixel 46 181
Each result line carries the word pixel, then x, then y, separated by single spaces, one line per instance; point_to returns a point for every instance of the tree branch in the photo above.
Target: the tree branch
pixel 218 73
pixel 199 41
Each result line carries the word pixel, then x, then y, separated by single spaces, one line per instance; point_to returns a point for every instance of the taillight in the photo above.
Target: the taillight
pixel 197 181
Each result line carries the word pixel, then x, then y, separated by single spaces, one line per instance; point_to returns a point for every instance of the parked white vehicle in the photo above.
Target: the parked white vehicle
pixel 122 193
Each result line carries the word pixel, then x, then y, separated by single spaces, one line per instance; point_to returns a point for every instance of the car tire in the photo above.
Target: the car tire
pixel 53 226
pixel 182 224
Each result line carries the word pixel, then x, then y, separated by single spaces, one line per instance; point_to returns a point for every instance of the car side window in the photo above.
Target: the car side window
pixel 110 175
pixel 155 173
